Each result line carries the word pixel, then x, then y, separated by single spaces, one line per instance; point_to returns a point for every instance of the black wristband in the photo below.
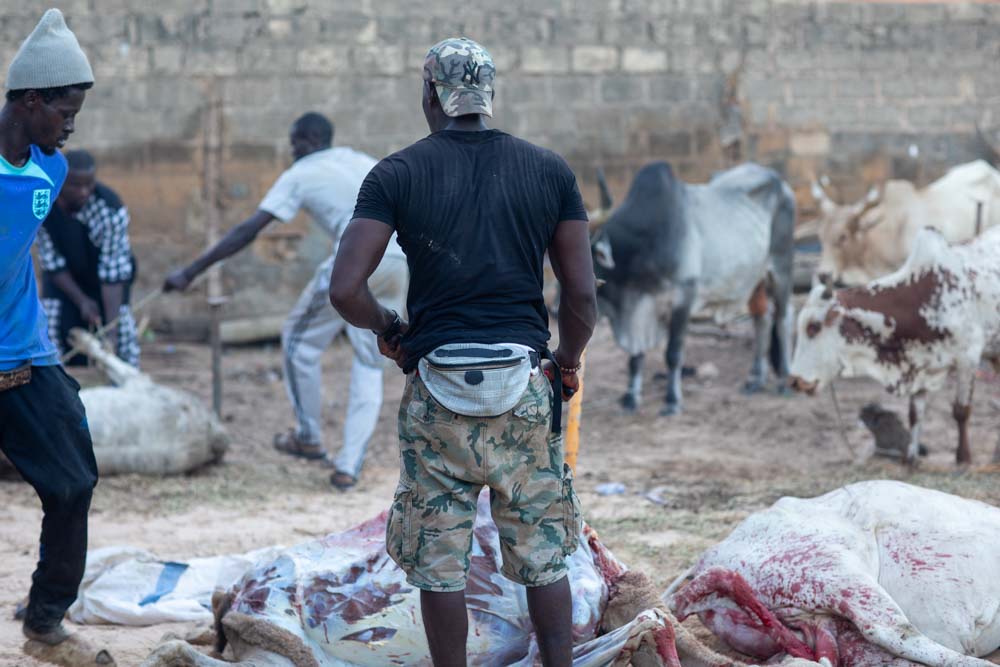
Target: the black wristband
pixel 393 329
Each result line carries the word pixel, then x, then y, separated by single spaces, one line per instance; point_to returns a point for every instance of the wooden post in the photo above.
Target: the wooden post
pixel 211 193
pixel 573 420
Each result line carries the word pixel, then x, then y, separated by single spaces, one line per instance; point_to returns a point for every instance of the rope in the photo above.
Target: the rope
pixel 840 423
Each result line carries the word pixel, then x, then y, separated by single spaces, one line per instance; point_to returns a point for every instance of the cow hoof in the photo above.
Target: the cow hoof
pixel 629 404
pixel 670 409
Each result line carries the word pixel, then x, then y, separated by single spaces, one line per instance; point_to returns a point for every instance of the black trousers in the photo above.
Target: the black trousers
pixel 44 433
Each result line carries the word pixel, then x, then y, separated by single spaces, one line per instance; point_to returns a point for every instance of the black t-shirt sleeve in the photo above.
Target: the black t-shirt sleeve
pixel 378 195
pixel 570 203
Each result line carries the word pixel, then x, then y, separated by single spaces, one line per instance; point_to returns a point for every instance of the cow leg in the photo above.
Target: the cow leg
pixel 880 621
pixel 675 352
pixel 918 404
pixel 783 318
pixel 961 409
pixel 633 397
pixel 760 310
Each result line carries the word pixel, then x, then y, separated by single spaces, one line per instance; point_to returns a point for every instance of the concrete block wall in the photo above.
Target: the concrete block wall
pixel 843 87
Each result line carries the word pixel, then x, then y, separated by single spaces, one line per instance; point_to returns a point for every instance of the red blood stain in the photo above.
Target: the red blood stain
pixel 330 595
pixel 666 646
pixel 610 569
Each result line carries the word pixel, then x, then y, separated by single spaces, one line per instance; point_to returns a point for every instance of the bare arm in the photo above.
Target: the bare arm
pixel 89 310
pixel 361 249
pixel 112 295
pixel 235 240
pixel 574 269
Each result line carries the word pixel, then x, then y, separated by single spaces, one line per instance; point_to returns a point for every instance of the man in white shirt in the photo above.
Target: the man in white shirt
pixel 325 182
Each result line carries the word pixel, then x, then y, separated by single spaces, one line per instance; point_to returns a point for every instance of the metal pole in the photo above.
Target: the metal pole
pixel 215 337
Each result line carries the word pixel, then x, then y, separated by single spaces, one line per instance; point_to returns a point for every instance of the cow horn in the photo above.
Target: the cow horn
pixel 606 201
pixel 983 147
pixel 818 190
pixel 601 215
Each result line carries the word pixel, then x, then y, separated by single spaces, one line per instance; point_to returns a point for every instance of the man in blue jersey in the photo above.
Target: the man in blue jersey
pixel 43 427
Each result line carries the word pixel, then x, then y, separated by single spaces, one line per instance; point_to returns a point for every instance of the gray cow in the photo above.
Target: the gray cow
pixel 672 248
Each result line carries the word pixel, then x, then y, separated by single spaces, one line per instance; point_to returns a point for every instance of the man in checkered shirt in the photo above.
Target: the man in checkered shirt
pixel 84 251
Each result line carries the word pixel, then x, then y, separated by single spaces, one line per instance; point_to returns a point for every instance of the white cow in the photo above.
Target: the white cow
pixel 875 573
pixel 873 237
pixel 672 248
pixel 939 313
pixel 142 427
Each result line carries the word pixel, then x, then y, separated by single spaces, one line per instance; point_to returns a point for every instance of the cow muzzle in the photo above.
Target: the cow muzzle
pixel 801 386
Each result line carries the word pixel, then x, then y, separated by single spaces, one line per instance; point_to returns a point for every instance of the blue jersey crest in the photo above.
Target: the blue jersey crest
pixel 41 202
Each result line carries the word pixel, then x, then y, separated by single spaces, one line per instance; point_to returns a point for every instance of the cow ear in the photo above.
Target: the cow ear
pixel 602 251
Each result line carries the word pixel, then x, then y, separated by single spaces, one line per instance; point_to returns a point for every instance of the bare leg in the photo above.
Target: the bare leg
pixel 446 622
pixel 918 403
pixel 633 397
pixel 961 409
pixel 551 611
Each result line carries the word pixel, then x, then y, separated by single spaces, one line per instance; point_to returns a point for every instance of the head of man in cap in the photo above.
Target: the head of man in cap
pixel 46 84
pixel 458 84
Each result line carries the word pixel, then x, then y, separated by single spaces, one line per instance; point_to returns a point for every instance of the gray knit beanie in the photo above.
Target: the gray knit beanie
pixel 50 57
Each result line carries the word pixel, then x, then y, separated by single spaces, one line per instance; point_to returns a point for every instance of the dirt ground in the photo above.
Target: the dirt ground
pixel 689 479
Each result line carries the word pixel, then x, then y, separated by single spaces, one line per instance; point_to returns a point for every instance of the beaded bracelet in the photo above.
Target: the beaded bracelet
pixel 571 371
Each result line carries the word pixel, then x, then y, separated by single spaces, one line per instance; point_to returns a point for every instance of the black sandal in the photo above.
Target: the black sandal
pixel 289 443
pixel 342 480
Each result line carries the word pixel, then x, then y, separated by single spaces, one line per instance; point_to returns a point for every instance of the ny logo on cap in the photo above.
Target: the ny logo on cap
pixel 471 73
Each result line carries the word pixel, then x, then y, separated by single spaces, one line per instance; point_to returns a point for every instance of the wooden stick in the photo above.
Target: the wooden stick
pixel 212 192
pixel 573 421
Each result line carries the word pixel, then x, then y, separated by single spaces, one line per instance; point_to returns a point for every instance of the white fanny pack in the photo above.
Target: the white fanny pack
pixel 478 380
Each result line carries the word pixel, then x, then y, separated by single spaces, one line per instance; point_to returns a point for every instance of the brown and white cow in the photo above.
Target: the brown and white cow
pixel 873 237
pixel 939 313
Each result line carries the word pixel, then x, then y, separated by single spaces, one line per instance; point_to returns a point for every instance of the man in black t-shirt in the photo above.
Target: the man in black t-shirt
pixel 475 211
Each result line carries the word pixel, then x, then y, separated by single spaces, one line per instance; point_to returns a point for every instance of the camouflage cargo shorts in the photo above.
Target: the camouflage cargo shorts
pixel 446 459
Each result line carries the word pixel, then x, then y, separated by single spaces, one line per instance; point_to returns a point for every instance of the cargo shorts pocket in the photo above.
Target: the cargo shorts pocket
pixel 572 515
pixel 398 532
